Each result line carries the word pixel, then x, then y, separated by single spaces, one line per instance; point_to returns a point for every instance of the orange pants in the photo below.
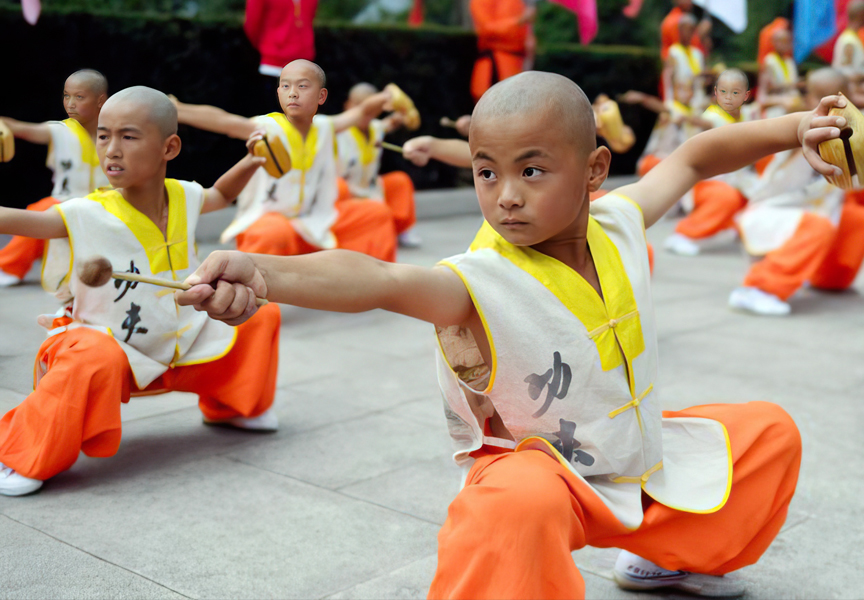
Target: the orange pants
pixel 398 192
pixel 361 226
pixel 646 163
pixel 20 253
pixel 841 264
pixel 506 65
pixel 715 205
pixel 511 530
pixel 76 405
pixel 784 270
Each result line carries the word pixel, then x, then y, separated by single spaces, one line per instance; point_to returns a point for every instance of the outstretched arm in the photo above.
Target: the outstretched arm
pixel 652 103
pixel 370 108
pixel 334 280
pixel 35 133
pixel 229 186
pixel 211 118
pixel 733 147
pixel 40 225
pixel 421 149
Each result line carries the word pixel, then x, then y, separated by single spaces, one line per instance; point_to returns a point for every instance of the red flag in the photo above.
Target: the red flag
pixel 586 12
pixel 415 18
pixel 632 9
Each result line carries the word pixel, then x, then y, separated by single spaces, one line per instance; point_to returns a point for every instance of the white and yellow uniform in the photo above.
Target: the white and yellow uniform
pixel 154 332
pixel 689 65
pixel 574 375
pixel 360 159
pixel 667 136
pixel 72 158
pixel 741 178
pixel 306 194
pixel 849 42
pixel 783 72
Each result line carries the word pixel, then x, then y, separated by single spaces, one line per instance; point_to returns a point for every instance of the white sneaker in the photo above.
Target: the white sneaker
pixel 754 300
pixel 632 572
pixel 15 484
pixel 266 421
pixel 410 239
pixel 7 280
pixel 681 245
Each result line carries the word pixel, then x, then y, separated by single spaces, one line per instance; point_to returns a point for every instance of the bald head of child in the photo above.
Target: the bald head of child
pixel 686 28
pixel 84 93
pixel 302 89
pixel 824 82
pixel 782 42
pixel 137 136
pixel 732 90
pixel 535 158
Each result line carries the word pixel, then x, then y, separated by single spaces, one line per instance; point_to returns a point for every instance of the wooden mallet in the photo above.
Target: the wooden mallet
pixel 97 271
pixel 448 122
pixel 389 146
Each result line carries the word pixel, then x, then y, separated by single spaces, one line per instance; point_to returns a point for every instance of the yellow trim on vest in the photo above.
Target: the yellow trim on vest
pixel 722 114
pixel 691 58
pixel 579 297
pixel 366 147
pixel 781 62
pixel 164 254
pixel 71 254
pixel 642 479
pixel 302 151
pixel 681 107
pixel 223 354
pixel 634 403
pixel 494 367
pixel 88 148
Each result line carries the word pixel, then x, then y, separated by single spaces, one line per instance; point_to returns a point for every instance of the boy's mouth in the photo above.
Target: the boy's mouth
pixel 113 169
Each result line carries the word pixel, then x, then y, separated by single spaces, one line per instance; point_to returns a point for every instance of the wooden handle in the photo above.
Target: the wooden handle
pixel 393 147
pixel 175 285
pixel 448 122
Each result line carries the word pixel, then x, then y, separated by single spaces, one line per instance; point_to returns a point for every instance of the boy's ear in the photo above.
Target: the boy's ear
pixel 598 167
pixel 322 96
pixel 172 146
pixel 101 100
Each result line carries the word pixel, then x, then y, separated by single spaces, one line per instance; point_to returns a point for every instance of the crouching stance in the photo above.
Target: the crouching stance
pixel 548 361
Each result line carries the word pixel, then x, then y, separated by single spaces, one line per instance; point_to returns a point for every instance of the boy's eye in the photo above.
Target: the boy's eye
pixel 531 172
pixel 486 174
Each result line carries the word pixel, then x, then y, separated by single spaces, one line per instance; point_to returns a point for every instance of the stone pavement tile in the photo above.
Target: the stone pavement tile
pixel 35 565
pixel 346 452
pixel 217 528
pixel 427 410
pixel 423 489
pixel 149 406
pixel 9 399
pixel 406 583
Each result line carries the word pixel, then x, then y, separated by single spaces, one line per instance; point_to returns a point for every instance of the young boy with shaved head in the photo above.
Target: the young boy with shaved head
pixel 297 213
pixel 131 338
pixel 685 64
pixel 548 360
pixel 359 149
pixel 778 78
pixel 71 157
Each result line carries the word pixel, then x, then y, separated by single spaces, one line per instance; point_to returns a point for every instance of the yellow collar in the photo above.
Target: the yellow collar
pixel 681 107
pixel 171 254
pixel 717 110
pixel 366 145
pixel 781 62
pixel 302 151
pixel 88 149
pixel 691 58
pixel 612 321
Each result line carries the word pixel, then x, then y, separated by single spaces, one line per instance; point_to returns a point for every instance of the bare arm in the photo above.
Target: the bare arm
pixel 229 186
pixel 211 118
pixel 35 133
pixel 729 148
pixel 452 152
pixel 40 225
pixel 666 78
pixel 370 108
pixel 652 103
pixel 334 280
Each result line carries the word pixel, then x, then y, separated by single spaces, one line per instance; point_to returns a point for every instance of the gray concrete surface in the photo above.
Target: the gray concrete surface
pixel 345 501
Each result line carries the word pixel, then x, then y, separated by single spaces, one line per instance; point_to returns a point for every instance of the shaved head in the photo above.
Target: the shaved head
pixel 360 92
pixel 153 104
pixel 541 98
pixel 92 79
pixel 687 19
pixel 826 82
pixel 734 75
pixel 317 70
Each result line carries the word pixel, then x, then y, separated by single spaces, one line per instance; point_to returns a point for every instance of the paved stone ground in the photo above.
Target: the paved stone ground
pixel 345 501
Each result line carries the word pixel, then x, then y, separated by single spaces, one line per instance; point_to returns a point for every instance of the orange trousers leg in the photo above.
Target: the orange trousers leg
pixel 507 65
pixel 76 405
pixel 399 196
pixel 715 205
pixel 511 530
pixel 645 164
pixel 784 270
pixel 843 261
pixel 361 225
pixel 20 253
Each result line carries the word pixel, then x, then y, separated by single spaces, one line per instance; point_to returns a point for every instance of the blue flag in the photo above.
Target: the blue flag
pixel 815 22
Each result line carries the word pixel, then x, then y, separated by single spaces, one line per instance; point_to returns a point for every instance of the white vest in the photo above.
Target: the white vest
pixel 72 158
pixel 689 62
pixel 574 375
pixel 666 137
pixel 360 159
pixel 848 39
pixel 153 331
pixel 742 178
pixel 783 71
pixel 306 194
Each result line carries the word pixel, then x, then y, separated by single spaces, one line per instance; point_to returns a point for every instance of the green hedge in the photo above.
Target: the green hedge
pixel 211 61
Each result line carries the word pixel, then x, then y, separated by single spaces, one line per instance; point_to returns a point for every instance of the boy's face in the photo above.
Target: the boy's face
pixel 531 180
pixel 685 32
pixel 731 93
pixel 684 92
pixel 300 92
pixel 782 41
pixel 81 102
pixel 132 150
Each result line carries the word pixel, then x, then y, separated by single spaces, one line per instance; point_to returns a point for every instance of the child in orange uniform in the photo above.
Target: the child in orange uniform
pixel 297 213
pixel 71 157
pixel 126 338
pixel 503 34
pixel 548 360
pixel 360 150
